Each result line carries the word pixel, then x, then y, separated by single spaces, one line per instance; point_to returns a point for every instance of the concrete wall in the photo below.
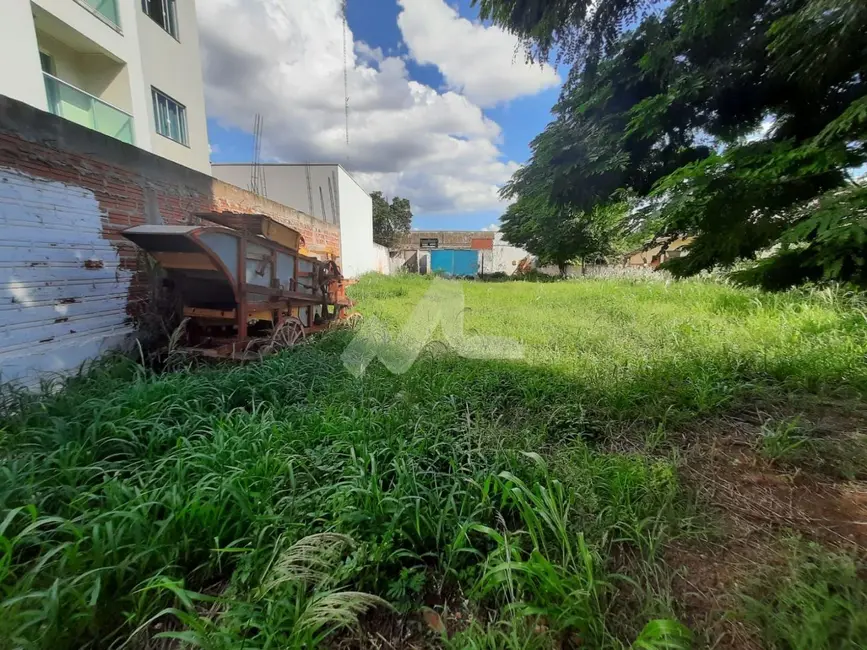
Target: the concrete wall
pixel 175 68
pixel 327 192
pixel 308 188
pixel 70 284
pixel 452 239
pixel 504 258
pixel 356 227
pixel 381 260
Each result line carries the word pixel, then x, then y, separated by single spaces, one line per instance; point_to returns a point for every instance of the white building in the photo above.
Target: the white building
pixel 128 68
pixel 326 192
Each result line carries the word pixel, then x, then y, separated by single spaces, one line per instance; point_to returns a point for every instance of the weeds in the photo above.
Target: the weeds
pixel 273 504
pixel 818 602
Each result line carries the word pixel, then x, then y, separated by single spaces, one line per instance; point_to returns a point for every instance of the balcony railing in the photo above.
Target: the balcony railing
pixel 85 109
pixel 105 8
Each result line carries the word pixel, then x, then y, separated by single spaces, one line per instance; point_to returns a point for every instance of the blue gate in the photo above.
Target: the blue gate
pixel 461 263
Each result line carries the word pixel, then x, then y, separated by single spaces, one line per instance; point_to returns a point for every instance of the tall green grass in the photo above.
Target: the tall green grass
pixel 269 505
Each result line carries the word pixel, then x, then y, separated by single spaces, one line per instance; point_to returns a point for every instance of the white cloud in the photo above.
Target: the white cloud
pixel 494 227
pixel 485 63
pixel 284 59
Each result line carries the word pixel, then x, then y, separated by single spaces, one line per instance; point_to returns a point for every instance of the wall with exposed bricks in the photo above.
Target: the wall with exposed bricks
pixel 66 193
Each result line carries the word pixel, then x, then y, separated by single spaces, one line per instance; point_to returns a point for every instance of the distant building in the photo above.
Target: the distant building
pixel 130 69
pixel 457 252
pixel 324 191
pixel 654 255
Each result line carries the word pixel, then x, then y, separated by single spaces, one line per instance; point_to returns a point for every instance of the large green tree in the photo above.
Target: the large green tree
pixel 559 236
pixel 674 113
pixel 391 221
pixel 578 31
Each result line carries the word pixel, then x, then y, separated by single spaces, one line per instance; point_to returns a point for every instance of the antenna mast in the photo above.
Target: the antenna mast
pixel 257 172
pixel 346 77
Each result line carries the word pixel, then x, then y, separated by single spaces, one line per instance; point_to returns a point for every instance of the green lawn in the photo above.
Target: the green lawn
pixel 267 505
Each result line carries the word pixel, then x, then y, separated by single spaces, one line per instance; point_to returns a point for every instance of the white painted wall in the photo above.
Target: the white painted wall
pixel 21 80
pixel 175 68
pixel 55 313
pixel 381 259
pixel 352 208
pixel 356 227
pixel 503 258
pixel 288 184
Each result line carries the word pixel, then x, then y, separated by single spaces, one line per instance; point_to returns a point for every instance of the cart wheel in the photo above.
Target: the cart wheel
pixel 288 333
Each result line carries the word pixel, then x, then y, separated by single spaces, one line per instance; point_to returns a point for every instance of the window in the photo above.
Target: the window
pixel 429 243
pixel 47 62
pixel 170 118
pixel 163 13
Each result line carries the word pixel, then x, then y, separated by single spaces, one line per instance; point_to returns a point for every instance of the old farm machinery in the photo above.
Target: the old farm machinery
pixel 246 284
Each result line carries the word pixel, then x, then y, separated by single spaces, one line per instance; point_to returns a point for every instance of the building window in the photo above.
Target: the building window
pixel 170 118
pixel 429 243
pixel 47 62
pixel 163 13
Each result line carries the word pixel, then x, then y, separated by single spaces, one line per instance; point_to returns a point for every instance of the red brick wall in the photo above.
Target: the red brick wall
pixel 132 186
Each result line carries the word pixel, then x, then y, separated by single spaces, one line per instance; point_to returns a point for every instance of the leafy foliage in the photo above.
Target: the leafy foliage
pixel 558 237
pixel 578 30
pixel 735 123
pixel 390 221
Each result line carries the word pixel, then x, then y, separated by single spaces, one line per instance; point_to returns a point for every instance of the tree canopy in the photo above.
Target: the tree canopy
pixel 579 31
pixel 736 123
pixel 391 221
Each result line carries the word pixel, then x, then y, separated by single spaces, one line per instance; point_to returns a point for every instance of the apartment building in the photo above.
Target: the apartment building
pixel 130 69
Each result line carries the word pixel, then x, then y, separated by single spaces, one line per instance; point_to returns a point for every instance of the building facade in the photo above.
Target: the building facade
pixel 457 252
pixel 326 192
pixel 130 69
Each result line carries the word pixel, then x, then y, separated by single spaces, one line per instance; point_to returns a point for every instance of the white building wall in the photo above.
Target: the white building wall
pixel 381 259
pixel 504 258
pixel 356 227
pixel 21 80
pixel 151 56
pixel 309 188
pixel 174 66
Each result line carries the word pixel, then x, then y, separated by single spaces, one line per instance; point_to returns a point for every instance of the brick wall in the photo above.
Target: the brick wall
pixel 47 162
pixel 450 239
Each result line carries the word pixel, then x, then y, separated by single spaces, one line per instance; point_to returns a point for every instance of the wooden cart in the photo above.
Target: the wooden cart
pixel 244 283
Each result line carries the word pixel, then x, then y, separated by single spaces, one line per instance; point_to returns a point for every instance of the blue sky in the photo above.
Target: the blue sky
pixel 375 23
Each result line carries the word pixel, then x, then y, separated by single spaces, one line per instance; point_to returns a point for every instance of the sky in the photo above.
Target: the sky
pixel 442 107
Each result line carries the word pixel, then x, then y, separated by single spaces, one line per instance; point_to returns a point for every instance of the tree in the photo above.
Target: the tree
pixel 672 111
pixel 390 222
pixel 580 31
pixel 557 236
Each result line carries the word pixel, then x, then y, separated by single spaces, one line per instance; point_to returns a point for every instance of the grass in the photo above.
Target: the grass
pixel 270 505
pixel 817 602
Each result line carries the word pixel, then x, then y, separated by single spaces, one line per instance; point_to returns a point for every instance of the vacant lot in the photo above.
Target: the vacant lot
pixel 663 457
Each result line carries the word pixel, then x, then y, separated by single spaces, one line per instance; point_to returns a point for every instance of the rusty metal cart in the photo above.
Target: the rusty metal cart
pixel 244 283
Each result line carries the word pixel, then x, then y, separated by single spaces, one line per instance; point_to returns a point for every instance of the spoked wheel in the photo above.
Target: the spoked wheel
pixel 288 333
